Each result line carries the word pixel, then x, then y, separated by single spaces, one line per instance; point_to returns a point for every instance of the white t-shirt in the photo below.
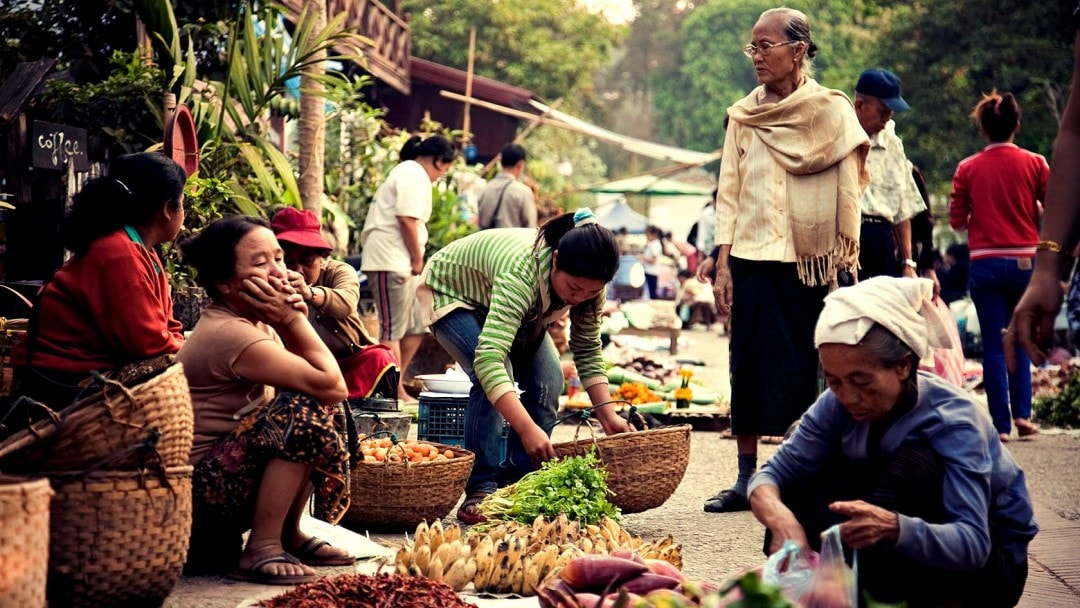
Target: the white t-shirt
pixel 405 193
pixel 650 258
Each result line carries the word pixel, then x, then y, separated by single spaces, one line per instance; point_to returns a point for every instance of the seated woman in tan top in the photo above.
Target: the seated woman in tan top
pixel 262 424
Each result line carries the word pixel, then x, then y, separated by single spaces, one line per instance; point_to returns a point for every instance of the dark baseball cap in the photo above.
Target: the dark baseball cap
pixel 884 85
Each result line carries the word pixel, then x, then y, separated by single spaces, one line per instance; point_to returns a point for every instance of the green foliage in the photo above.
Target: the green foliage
pixel 1063 409
pixel 551 47
pixel 121 107
pixel 574 485
pixel 550 147
pixel 949 52
pixel 205 200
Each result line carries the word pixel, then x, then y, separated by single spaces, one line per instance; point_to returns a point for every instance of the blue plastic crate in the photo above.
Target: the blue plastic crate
pixel 442 420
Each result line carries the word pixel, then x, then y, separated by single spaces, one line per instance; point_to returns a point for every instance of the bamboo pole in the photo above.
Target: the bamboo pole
pixel 520 137
pixel 468 85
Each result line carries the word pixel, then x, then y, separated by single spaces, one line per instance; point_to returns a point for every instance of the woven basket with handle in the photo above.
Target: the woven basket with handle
pixel 403 494
pixel 12 332
pixel 118 537
pixel 24 543
pixel 111 418
pixel 643 467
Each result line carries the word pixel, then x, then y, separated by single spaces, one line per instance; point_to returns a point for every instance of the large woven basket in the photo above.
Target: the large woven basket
pixel 403 494
pixel 24 543
pixel 113 418
pixel 643 467
pixel 118 537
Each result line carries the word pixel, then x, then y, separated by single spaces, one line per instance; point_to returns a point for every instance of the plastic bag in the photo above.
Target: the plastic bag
pixel 791 569
pixel 834 585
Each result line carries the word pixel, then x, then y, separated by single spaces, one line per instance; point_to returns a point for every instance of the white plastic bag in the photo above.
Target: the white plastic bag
pixel 835 584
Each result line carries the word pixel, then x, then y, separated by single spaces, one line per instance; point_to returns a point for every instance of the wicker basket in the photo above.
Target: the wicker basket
pixel 118 537
pixel 403 494
pixel 112 419
pixel 643 467
pixel 24 544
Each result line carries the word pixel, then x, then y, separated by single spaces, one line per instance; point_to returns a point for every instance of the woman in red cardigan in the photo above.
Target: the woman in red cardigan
pixel 996 195
pixel 110 304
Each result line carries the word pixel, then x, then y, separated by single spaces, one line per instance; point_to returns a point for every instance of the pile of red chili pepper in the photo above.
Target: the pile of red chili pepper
pixel 363 591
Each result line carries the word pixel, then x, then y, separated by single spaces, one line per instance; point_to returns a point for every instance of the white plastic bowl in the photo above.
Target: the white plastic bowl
pixel 441 383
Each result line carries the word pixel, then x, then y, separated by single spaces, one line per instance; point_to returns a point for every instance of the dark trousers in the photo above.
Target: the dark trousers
pixel 910 482
pixel 877 249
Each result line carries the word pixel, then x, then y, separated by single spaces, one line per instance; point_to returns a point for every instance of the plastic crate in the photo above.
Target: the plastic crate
pixel 442 420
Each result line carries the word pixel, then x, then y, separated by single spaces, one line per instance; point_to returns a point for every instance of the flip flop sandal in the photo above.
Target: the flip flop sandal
pixel 255 573
pixel 308 554
pixel 469 513
pixel 728 501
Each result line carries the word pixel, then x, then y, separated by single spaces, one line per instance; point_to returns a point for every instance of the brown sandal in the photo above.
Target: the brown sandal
pixel 469 512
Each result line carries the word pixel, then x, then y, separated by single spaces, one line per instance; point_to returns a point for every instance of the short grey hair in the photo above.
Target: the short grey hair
pixel 891 351
pixel 796 27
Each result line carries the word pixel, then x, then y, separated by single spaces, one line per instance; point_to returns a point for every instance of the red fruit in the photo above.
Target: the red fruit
pixel 600 572
pixel 650 582
pixel 628 554
pixel 659 566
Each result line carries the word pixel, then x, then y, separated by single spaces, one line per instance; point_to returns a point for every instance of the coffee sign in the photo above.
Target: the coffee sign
pixel 54 146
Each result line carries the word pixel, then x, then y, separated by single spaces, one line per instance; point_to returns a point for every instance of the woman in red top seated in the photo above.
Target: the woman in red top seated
pixel 996 196
pixel 110 304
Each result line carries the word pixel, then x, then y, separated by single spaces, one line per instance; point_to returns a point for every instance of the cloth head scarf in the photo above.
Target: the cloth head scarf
pixel 815 136
pixel 905 307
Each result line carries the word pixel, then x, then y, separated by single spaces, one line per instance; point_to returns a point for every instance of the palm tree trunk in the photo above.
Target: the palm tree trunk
pixel 312 128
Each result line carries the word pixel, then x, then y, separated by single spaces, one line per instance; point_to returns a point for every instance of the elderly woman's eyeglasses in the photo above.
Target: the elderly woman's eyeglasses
pixel 764 48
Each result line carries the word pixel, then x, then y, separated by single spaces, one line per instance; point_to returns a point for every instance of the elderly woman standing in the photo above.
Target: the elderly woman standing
pixel 908 465
pixel 787 220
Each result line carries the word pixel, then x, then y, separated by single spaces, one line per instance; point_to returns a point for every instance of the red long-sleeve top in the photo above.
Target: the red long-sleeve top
pixel 104 309
pixel 995 195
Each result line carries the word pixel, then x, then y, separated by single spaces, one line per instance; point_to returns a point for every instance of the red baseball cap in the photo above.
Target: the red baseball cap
pixel 299 227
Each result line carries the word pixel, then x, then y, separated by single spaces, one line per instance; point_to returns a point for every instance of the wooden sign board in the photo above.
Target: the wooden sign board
pixel 54 146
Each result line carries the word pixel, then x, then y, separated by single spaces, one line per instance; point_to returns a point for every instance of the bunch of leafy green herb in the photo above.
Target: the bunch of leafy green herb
pixel 1063 409
pixel 575 485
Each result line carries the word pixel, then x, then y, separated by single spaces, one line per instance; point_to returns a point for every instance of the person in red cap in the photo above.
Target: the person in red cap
pixel 331 290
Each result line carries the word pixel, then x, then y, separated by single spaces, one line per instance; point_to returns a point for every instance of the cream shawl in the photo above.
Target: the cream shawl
pixel 816 137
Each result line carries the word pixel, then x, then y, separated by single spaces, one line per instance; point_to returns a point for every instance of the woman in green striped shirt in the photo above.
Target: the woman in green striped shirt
pixel 488 299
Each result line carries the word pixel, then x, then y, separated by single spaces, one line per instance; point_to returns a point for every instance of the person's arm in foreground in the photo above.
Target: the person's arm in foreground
pixel 1032 325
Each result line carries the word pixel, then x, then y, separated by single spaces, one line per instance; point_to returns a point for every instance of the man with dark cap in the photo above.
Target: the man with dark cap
pixel 506 202
pixel 892 198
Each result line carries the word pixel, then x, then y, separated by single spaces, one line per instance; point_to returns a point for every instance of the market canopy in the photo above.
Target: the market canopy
pixel 620 215
pixel 650 185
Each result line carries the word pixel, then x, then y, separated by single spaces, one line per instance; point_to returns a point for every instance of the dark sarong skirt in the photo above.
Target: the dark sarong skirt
pixel 774 365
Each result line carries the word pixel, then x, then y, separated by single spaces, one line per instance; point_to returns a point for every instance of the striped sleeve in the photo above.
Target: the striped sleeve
pixel 512 298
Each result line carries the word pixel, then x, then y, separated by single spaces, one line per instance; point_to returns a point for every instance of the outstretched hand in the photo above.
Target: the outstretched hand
pixel 869 524
pixel 1032 324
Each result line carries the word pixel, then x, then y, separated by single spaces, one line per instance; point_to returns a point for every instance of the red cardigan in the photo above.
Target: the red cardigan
pixel 995 195
pixel 104 309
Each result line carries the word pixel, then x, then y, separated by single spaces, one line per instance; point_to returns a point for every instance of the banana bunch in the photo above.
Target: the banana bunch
pixel 439 554
pixel 504 566
pixel 597 539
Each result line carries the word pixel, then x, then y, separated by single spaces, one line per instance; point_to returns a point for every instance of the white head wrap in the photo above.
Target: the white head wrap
pixel 903 306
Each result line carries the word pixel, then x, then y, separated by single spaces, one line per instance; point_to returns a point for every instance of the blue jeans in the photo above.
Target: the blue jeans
pixel 534 364
pixel 996 286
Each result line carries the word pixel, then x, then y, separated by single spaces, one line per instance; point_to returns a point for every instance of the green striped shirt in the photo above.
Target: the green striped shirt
pixel 500 272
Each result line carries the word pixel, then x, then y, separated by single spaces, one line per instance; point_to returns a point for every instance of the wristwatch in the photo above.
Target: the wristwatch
pixel 910 262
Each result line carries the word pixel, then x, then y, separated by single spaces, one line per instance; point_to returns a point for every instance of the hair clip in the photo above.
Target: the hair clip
pixel 123 185
pixel 584 216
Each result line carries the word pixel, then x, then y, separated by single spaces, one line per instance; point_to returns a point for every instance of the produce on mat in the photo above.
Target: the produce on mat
pixel 363 591
pixel 518 558
pixel 575 485
pixel 1061 408
pixel 383 448
pixel 636 393
pixel 618 582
